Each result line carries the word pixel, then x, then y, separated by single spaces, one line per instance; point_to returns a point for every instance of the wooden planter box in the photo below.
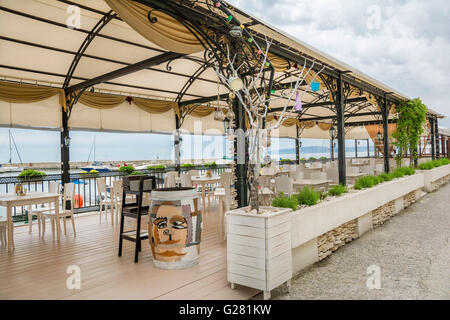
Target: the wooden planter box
pixel 259 249
pixel 433 175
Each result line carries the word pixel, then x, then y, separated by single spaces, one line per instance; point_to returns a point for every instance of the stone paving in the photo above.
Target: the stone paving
pixel 412 251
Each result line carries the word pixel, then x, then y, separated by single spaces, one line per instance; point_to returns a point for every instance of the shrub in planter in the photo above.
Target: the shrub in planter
pixel 282 201
pixel 385 177
pixel 136 173
pixel 307 197
pixel 127 169
pixel 157 167
pixel 187 165
pixel 312 159
pixel 367 182
pixel 337 190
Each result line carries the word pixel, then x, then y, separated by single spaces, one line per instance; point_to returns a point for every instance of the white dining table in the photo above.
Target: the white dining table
pixel 203 181
pixel 11 200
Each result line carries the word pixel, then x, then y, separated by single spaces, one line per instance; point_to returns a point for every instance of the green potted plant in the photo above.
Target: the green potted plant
pixel 27 176
pixel 127 169
pixel 323 159
pixel 156 167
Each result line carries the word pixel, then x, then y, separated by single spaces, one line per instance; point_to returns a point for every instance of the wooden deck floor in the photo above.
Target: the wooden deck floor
pixel 37 267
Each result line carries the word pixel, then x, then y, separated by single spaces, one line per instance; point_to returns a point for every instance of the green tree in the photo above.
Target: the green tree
pixel 411 117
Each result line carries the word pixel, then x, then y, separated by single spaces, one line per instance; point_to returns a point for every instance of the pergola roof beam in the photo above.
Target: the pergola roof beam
pixel 84 79
pixel 153 61
pixel 322 104
pixel 363 114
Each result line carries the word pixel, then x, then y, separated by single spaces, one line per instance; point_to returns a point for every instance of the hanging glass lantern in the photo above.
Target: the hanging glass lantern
pixel 219 115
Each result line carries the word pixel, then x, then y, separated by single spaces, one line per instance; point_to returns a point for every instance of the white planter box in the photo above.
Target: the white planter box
pixel 259 249
pixel 432 175
pixel 309 223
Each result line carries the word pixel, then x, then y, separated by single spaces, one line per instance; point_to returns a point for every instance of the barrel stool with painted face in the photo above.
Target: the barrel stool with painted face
pixel 175 228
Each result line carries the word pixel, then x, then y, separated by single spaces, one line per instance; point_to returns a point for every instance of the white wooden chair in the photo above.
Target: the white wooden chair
pixel 266 192
pixel 116 195
pixel 64 212
pixel 318 176
pixel 352 170
pixel 40 210
pixel 3 224
pixel 283 184
pixel 194 172
pixel 333 175
pixel 186 180
pixel 105 200
pixel 367 170
pixel 170 179
pixel 379 168
pixel 316 165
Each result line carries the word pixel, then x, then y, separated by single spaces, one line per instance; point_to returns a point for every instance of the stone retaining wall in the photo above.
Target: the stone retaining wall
pixel 336 238
pixel 409 199
pixel 439 182
pixel 383 214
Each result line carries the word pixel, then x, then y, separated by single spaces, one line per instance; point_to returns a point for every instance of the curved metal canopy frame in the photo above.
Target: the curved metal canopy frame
pixel 87 41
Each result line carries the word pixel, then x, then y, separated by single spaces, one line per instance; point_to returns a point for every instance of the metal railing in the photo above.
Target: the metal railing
pixel 86 186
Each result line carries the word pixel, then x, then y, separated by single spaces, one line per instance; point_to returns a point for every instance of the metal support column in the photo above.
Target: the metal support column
pixel 356 148
pixel 437 143
pixel 385 111
pixel 332 149
pixel 340 108
pixel 177 145
pixel 368 149
pixel 433 139
pixel 240 154
pixel 65 142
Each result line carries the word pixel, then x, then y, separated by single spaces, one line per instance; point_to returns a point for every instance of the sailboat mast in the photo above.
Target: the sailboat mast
pixel 10 147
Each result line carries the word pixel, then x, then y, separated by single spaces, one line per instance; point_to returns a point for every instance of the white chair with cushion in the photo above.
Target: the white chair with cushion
pixel 41 209
pixel 194 172
pixel 64 212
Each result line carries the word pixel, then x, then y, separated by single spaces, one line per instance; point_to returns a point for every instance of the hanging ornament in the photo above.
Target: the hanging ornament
pixel 298 102
pixel 250 39
pixel 315 86
pixel 267 64
pixel 218 4
pixel 259 52
pixel 273 91
pixel 230 17
pixel 219 115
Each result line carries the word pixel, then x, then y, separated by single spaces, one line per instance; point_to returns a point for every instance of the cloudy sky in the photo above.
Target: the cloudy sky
pixel 402 43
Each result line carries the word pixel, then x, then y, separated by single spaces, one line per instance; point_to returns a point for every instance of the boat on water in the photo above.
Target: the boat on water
pixel 11 168
pixel 97 166
pixel 8 169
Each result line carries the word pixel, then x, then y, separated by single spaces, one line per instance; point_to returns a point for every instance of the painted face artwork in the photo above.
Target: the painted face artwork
pixel 170 232
pixel 175 228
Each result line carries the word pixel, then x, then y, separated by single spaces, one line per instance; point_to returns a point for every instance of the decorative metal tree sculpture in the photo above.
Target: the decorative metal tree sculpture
pixel 242 63
pixel 254 94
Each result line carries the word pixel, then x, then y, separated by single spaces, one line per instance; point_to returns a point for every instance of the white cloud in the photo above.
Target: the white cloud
pixel 409 52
